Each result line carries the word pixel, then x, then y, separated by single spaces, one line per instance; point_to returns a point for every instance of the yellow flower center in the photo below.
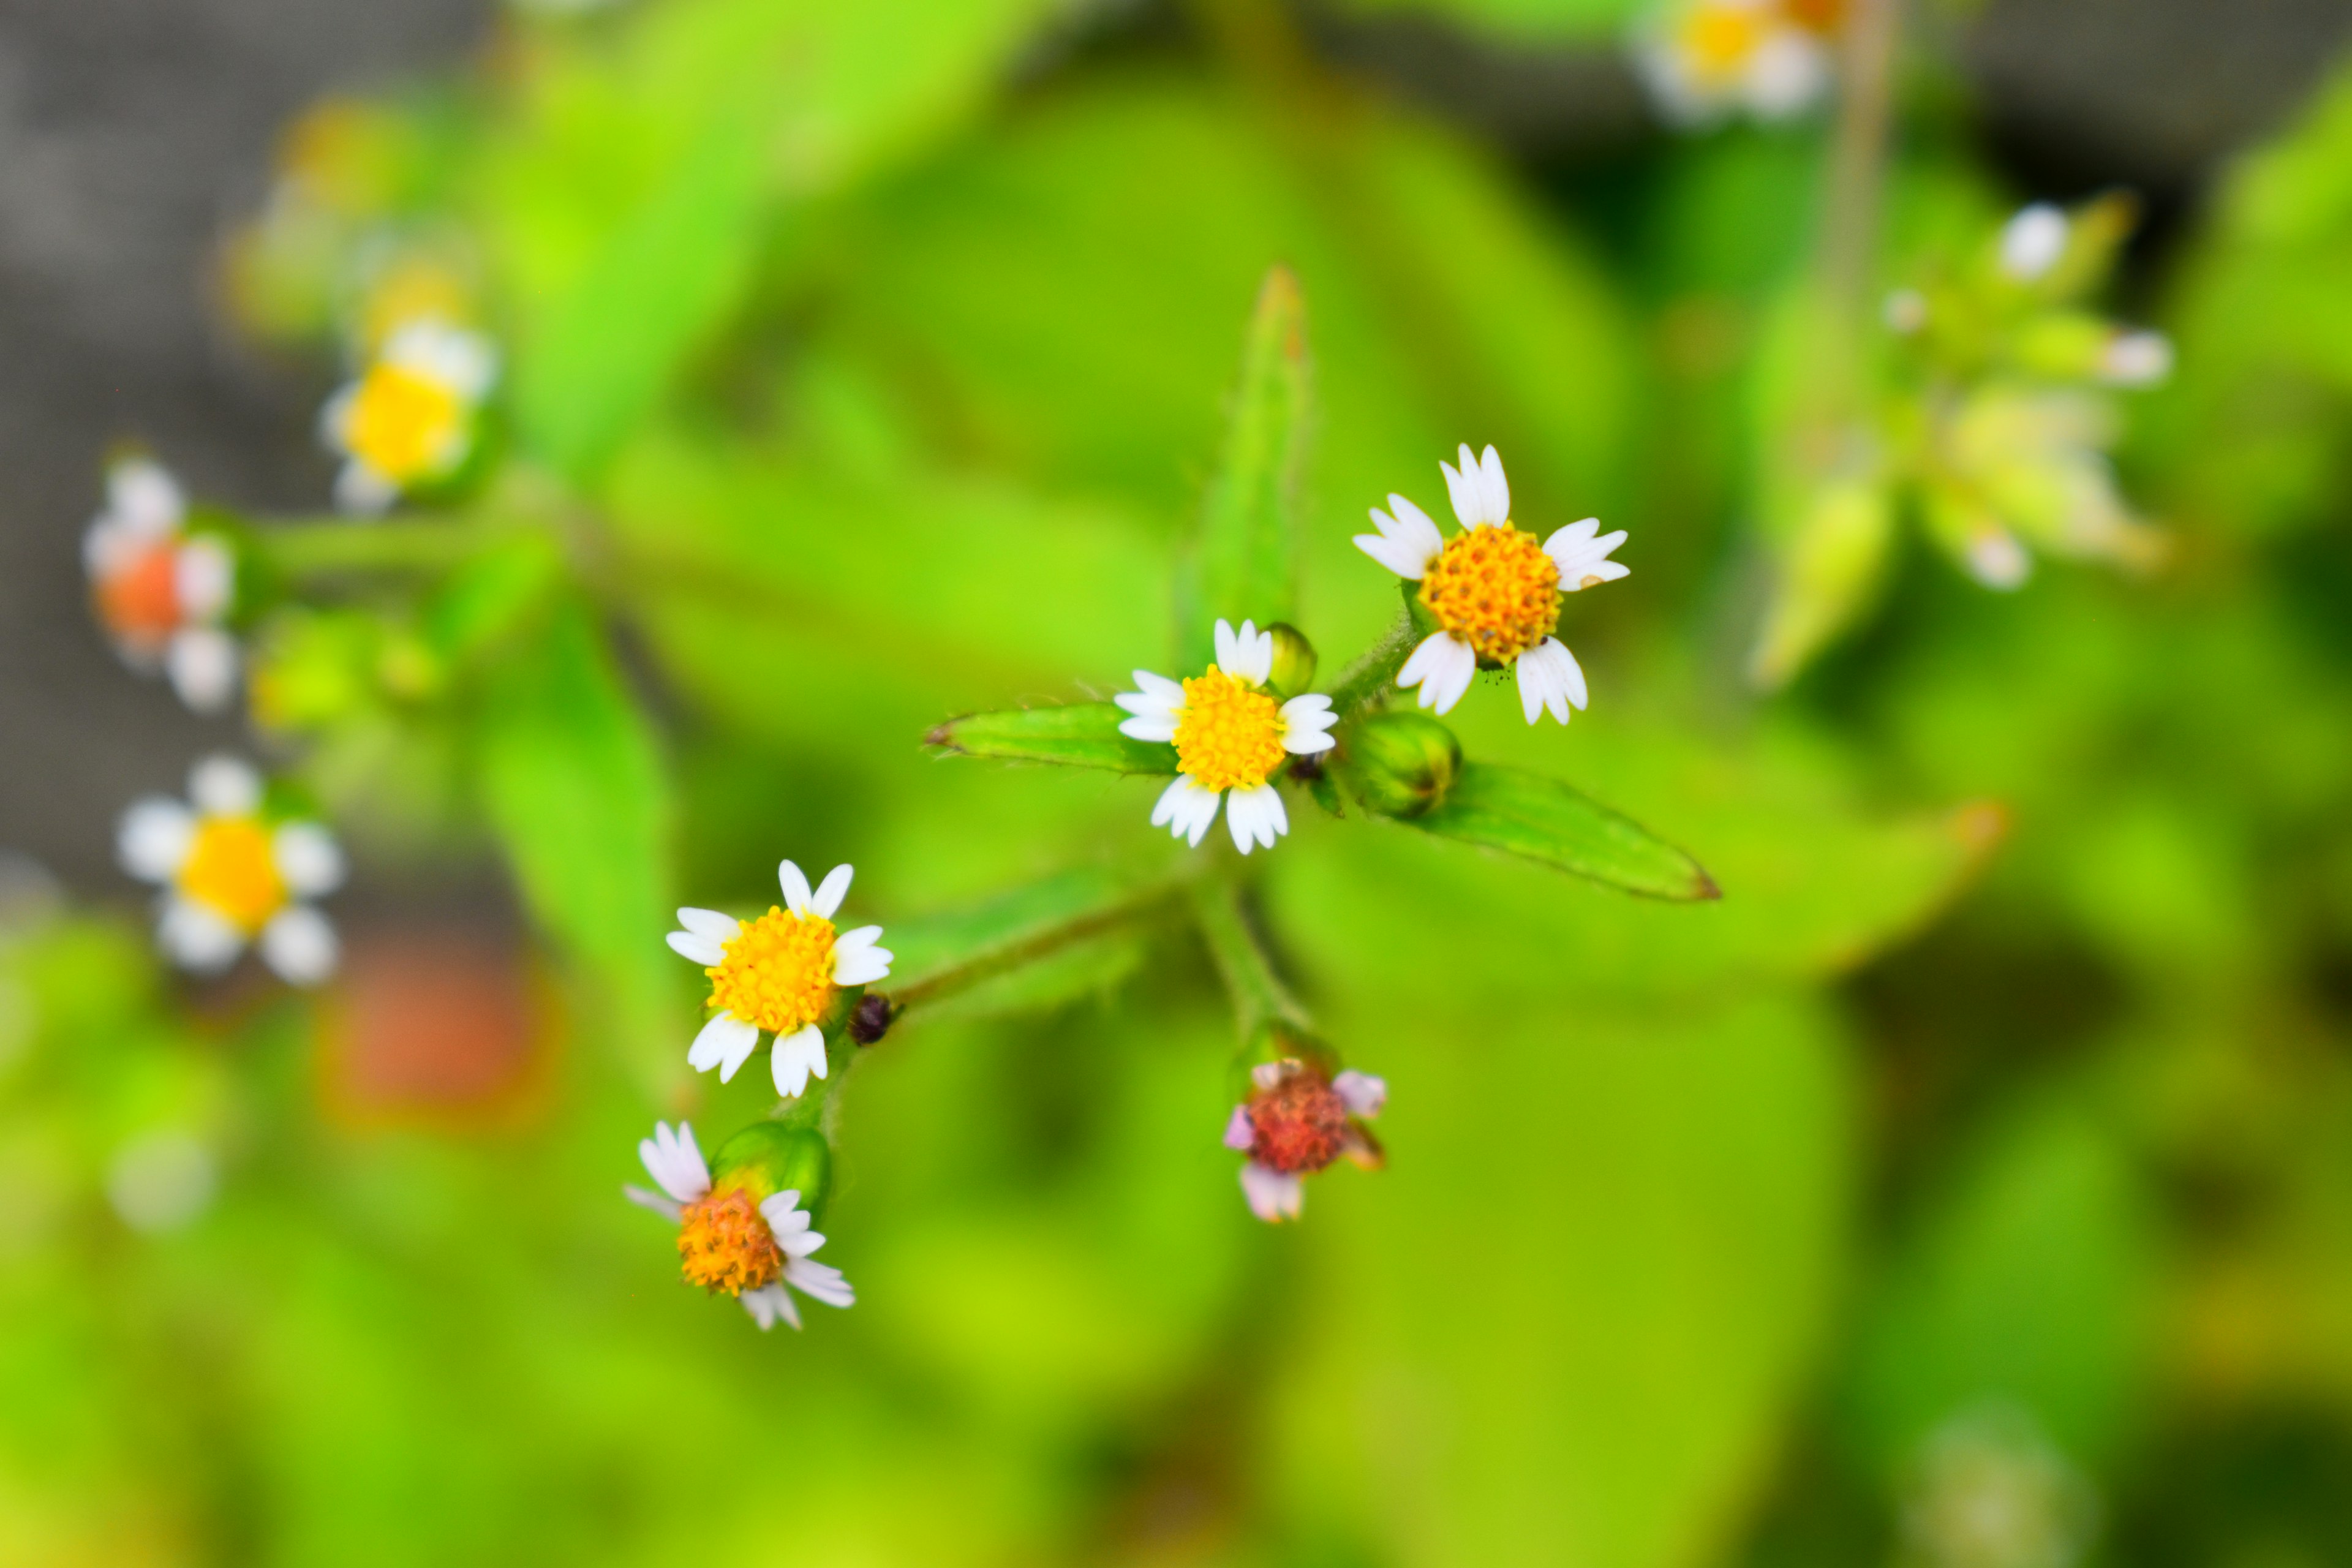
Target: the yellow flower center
pixel 231 872
pixel 1229 735
pixel 1495 588
pixel 402 424
pixel 724 1243
pixel 1719 39
pixel 777 971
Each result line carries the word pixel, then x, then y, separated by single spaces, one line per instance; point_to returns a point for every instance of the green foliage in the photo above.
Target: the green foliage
pixel 1078 735
pixel 1522 813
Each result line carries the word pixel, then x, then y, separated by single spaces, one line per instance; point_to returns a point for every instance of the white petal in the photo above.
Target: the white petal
pixel 697 950
pixel 1228 648
pixel 204 574
pixel 723 1043
pixel 1404 560
pixel 1787 72
pixel 819 1282
pixel 668 1208
pixel 1153 728
pixel 1497 487
pixel 1253 654
pixel 795 1057
pixel 194 938
pixel 143 497
pixel 1361 1092
pixel 1185 809
pixel 2136 359
pixel 831 892
pixel 768 1303
pixel 1241 1132
pixel 1464 488
pixel 2032 241
pixel 675 1162
pixel 154 838
pixel 1160 686
pixel 1256 816
pixel 861 966
pixel 1406 543
pixel 1306 725
pixel 224 786
pixel 1442 669
pixel 308 857
pixel 363 493
pixel 1273 1196
pixel 300 945
pixel 201 662
pixel 1998 561
pixel 783 1212
pixel 461 361
pixel 1581 558
pixel 795 887
pixel 710 924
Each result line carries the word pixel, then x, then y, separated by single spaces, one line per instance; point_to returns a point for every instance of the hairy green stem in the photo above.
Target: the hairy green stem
pixel 999 958
pixel 1259 996
pixel 1368 679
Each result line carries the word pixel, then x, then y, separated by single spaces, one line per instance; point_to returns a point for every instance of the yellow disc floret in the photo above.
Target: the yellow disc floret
pixel 1495 588
pixel 403 423
pixel 1229 734
pixel 1718 40
pixel 724 1244
pixel 777 971
pixel 231 872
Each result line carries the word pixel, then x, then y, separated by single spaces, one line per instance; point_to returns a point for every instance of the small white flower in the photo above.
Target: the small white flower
pixel 159 591
pixel 1230 736
pixel 724 1248
pixel 231 878
pixel 2033 241
pixel 409 418
pixel 1493 590
pixel 778 974
pixel 161 1180
pixel 1298 1120
pixel 2136 360
pixel 1707 60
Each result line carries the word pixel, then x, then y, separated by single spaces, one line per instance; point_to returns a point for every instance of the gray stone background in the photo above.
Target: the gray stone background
pixel 133 132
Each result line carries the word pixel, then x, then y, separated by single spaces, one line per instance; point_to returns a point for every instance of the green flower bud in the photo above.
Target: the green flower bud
pixel 1399 765
pixel 1294 660
pixel 768 1157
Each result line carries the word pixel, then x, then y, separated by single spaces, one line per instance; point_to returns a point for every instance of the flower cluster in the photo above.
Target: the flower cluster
pixel 160 592
pixel 1706 60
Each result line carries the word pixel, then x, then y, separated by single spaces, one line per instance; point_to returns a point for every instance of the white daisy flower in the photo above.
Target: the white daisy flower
pixel 409 418
pixel 1496 593
pixel 1299 1119
pixel 231 878
pixel 1704 60
pixel 2032 242
pixel 1231 737
pixel 732 1239
pixel 159 591
pixel 777 973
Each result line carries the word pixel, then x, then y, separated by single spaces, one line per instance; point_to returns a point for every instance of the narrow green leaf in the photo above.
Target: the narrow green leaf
pixel 1077 735
pixel 1248 565
pixel 1527 813
pixel 575 789
pixel 661 280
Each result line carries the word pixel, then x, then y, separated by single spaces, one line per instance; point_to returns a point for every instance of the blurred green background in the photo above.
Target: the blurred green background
pixel 1985 1155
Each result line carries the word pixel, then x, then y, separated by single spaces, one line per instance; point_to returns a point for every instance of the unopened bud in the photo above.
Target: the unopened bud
pixel 1294 660
pixel 1399 764
pixel 767 1158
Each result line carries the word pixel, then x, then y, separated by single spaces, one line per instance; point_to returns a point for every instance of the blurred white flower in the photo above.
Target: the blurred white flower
pixel 160 1181
pixel 1990 1491
pixel 160 593
pixel 2033 241
pixel 409 418
pixel 1707 60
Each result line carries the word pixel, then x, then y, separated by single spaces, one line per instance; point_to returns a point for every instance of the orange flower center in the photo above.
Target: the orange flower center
pixel 1300 1125
pixel 724 1243
pixel 140 601
pixel 231 872
pixel 1495 588
pixel 1719 39
pixel 777 971
pixel 403 423
pixel 1819 16
pixel 1229 735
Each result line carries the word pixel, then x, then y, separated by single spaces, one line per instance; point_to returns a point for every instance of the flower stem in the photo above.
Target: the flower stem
pixel 322 548
pixel 1259 996
pixel 1017 949
pixel 1367 680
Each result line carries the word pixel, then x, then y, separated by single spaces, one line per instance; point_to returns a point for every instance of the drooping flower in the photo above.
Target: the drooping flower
pixel 159 591
pixel 1705 60
pixel 1301 1118
pixel 779 974
pixel 232 877
pixel 740 1234
pixel 1494 592
pixel 409 419
pixel 1230 735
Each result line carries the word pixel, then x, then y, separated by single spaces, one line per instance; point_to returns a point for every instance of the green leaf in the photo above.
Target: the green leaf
pixel 575 790
pixel 1024 950
pixel 661 280
pixel 1248 563
pixel 1077 735
pixel 1527 813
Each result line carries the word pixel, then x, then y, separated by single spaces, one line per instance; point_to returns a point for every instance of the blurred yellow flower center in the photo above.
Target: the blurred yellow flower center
pixel 231 872
pixel 1495 588
pixel 724 1243
pixel 777 973
pixel 1229 735
pixel 402 424
pixel 1718 40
